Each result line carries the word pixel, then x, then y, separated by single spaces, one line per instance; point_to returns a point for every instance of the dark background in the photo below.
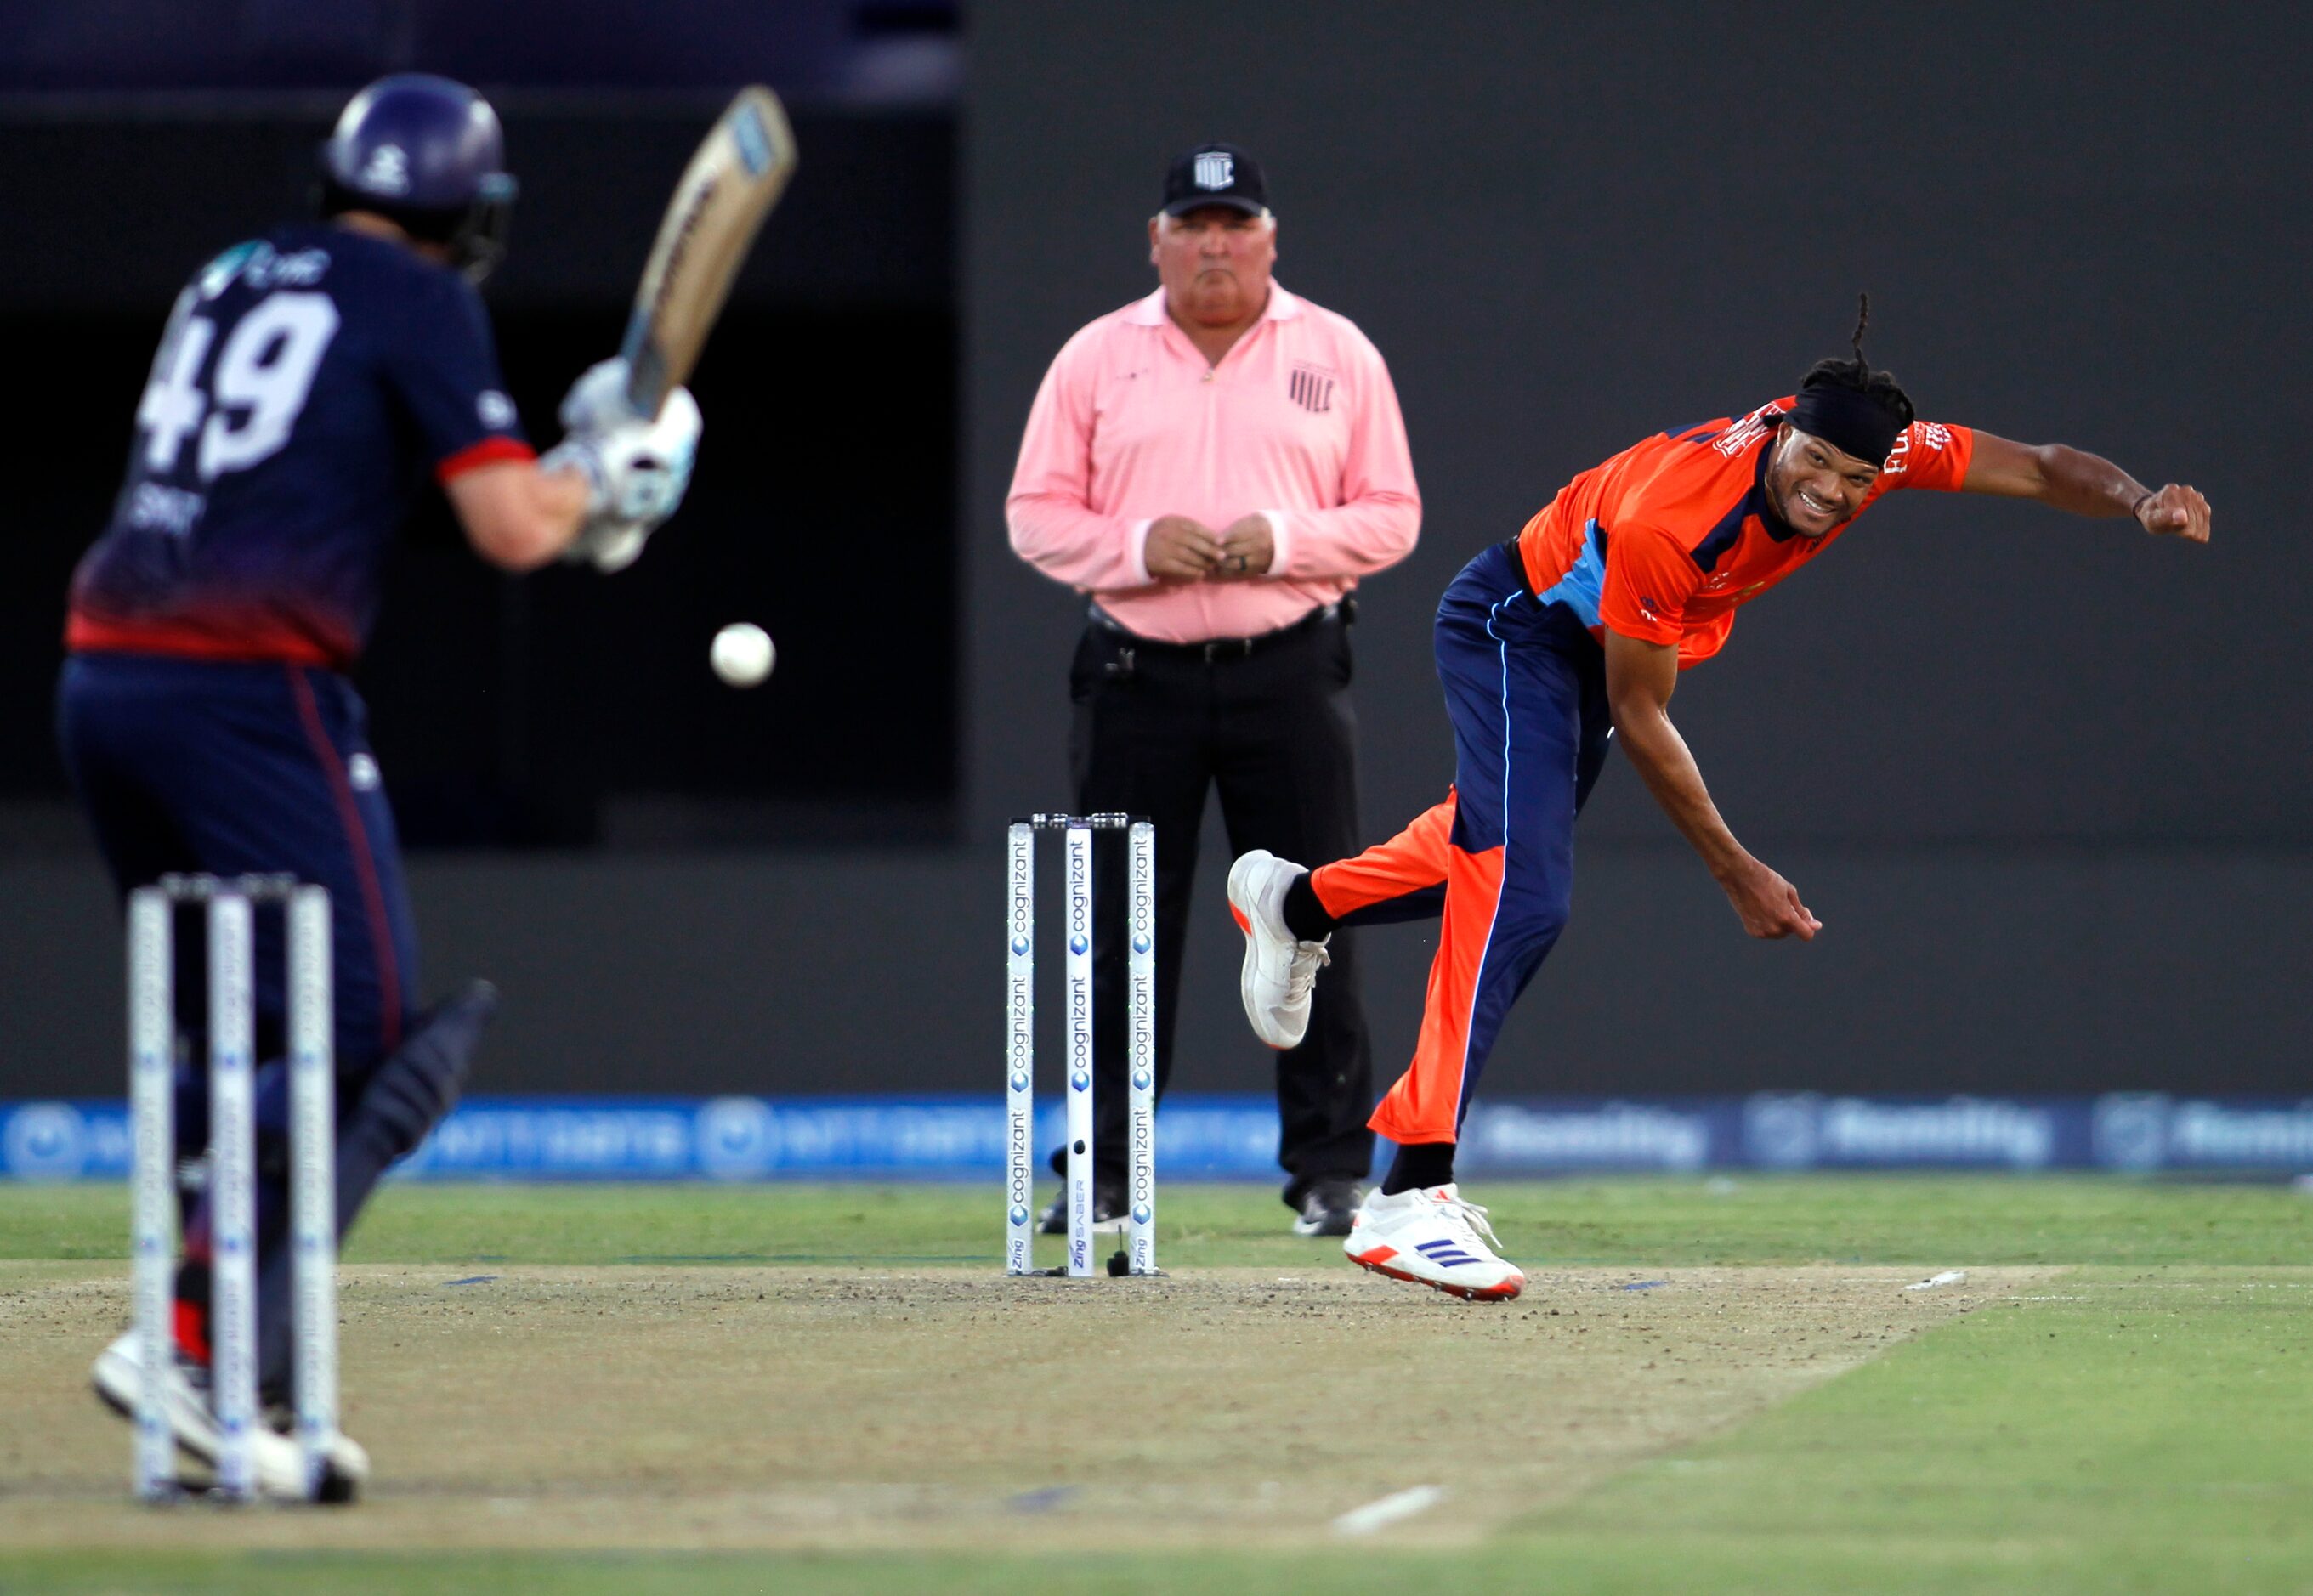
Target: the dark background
pixel 2048 782
pixel 1567 228
pixel 564 710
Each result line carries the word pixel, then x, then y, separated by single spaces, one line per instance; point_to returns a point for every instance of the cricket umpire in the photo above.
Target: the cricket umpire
pixel 1215 466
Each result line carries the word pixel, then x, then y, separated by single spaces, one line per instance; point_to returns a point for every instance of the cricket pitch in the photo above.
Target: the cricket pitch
pixel 658 1406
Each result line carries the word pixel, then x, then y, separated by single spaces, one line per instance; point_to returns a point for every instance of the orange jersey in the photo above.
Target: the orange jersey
pixel 1664 541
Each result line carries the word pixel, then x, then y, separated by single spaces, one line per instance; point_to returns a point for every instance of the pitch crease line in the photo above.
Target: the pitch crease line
pixel 1392 1509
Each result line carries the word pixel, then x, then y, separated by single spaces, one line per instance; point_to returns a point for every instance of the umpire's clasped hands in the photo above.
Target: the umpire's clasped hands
pixel 1182 549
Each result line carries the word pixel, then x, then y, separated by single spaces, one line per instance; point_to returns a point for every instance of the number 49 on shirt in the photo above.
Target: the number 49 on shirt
pixel 242 406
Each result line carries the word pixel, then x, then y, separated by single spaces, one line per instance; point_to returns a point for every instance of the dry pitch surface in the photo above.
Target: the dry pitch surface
pixel 669 1406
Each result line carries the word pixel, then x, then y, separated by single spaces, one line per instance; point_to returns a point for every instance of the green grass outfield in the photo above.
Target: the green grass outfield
pixel 2141 1422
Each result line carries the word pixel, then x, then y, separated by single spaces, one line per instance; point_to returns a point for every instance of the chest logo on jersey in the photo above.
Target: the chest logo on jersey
pixel 1311 386
pixel 1722 579
pixel 1747 431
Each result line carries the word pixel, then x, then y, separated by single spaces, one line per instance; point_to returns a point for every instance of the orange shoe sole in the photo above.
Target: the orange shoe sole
pixel 1468 1294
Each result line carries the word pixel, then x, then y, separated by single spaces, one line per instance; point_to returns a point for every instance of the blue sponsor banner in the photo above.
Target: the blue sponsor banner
pixel 1806 1130
pixel 1234 1137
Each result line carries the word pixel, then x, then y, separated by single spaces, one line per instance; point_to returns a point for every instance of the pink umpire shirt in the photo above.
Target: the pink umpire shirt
pixel 1298 421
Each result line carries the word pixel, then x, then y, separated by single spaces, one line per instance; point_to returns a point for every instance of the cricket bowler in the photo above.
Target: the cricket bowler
pixel 1573 633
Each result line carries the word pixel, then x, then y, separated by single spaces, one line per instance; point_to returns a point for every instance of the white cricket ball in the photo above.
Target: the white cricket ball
pixel 743 653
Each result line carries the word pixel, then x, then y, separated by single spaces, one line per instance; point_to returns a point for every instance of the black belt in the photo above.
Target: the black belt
pixel 1343 610
pixel 1518 559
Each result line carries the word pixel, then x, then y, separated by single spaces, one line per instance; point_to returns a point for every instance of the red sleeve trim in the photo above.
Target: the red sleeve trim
pixel 489 451
pixel 1962 451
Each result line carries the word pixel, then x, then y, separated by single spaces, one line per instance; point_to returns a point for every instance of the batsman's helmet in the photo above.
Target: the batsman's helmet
pixel 428 154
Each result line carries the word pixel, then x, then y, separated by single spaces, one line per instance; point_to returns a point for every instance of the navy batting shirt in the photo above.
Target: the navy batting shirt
pixel 307 383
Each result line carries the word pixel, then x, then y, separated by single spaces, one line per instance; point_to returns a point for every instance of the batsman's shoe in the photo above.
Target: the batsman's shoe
pixel 1432 1237
pixel 1279 969
pixel 119 1381
pixel 1107 1212
pixel 345 1462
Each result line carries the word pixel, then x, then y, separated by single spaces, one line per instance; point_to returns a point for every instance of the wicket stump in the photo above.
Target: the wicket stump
pixel 230 906
pixel 1139 1256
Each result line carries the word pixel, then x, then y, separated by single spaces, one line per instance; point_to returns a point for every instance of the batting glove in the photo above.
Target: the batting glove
pixel 637 474
pixel 596 404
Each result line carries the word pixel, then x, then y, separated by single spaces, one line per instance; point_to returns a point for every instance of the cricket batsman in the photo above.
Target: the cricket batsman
pixel 308 383
pixel 1572 633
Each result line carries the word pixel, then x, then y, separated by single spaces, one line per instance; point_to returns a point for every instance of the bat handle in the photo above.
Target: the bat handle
pixel 647 383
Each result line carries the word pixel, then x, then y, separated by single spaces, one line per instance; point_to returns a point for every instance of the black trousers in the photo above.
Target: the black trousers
pixel 1155 726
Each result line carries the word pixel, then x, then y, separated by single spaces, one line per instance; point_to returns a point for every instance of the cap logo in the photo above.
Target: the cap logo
pixel 1216 169
pixel 387 171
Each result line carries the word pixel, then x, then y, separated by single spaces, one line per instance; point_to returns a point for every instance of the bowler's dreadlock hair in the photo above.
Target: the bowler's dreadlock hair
pixel 1857 373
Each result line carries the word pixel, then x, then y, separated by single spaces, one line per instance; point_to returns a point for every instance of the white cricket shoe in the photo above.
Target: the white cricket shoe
pixel 1431 1238
pixel 345 1462
pixel 1279 969
pixel 278 1460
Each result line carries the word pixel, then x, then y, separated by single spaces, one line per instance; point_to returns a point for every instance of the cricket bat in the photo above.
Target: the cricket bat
pixel 725 192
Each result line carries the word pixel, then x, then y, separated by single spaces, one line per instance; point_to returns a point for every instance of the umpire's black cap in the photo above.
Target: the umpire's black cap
pixel 1215 174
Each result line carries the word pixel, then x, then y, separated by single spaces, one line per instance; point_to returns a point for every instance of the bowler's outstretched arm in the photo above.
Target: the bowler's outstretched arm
pixel 2084 484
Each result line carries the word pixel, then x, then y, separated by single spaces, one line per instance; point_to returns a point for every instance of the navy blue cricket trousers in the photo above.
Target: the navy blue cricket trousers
pixel 1526 689
pixel 230 769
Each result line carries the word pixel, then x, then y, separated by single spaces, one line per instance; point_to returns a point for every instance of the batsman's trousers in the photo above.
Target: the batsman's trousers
pixel 237 768
pixel 1526 687
pixel 240 768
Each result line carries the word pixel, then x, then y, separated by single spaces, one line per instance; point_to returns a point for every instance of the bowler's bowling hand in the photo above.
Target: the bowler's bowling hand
pixel 1769 905
pixel 1248 549
pixel 2175 511
pixel 1180 548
